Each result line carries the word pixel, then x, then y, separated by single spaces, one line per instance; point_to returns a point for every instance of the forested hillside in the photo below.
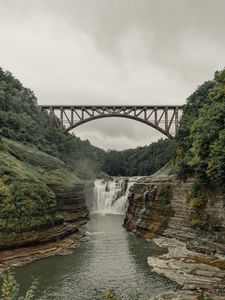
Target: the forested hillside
pixel 35 155
pixel 21 121
pixel 200 140
pixel 200 149
pixel 140 161
pixel 201 136
pixel 50 154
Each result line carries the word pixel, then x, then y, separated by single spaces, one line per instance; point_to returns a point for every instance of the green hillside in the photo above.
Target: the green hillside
pixel 21 121
pixel 200 151
pixel 140 161
pixel 34 153
pixel 201 136
pixel 27 205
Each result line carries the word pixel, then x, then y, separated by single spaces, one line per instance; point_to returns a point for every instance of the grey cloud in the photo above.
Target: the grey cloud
pixel 126 134
pixel 120 52
pixel 114 127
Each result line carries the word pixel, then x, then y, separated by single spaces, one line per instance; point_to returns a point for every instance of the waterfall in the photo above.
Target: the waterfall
pixel 110 196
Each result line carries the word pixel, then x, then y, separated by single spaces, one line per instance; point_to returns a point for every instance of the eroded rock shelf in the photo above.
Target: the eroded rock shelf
pixel 194 261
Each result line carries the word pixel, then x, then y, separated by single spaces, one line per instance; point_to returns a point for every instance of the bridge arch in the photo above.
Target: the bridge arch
pixel 122 116
pixel 165 119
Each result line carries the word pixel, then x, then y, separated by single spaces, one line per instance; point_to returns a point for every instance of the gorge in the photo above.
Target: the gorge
pixel 111 258
pixel 59 193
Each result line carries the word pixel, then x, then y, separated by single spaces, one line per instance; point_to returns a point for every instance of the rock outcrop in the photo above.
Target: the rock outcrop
pixel 71 203
pixel 41 200
pixel 158 204
pixel 151 212
pixel 149 209
pixel 23 256
pixel 190 269
pixel 71 211
pixel 195 259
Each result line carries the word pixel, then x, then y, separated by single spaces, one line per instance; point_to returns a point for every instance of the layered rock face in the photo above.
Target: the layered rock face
pixel 61 238
pixel 71 209
pixel 157 206
pixel 149 208
pixel 41 200
pixel 192 270
pixel 71 203
pixel 215 209
pixel 71 212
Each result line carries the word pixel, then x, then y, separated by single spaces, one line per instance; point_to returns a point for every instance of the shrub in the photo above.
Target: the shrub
pixel 10 288
pixel 196 201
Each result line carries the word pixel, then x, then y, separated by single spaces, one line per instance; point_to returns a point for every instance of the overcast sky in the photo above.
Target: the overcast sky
pixel 112 52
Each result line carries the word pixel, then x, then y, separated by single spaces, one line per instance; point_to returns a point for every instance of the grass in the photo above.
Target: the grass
pixel 28 162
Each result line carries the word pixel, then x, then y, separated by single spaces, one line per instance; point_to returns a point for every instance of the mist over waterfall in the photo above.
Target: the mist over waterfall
pixel 110 196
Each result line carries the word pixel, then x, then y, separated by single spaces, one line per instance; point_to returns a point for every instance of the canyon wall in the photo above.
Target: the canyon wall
pixel 158 209
pixel 71 209
pixel 71 203
pixel 41 199
pixel 157 205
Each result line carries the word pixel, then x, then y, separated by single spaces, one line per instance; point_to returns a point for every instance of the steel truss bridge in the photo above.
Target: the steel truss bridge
pixel 163 118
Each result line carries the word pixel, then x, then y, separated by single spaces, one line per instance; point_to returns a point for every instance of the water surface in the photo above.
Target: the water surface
pixel 112 258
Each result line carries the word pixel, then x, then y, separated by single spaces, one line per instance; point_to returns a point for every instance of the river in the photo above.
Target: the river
pixel 112 258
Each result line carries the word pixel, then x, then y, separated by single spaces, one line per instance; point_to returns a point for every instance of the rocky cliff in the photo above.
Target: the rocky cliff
pixel 71 203
pixel 41 200
pixel 158 207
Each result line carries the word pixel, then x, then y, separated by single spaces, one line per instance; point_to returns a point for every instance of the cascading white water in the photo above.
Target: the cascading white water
pixel 110 196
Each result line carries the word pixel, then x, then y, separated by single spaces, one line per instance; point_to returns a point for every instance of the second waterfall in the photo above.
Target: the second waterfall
pixel 110 196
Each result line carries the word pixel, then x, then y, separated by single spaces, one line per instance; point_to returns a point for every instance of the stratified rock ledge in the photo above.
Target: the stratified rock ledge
pixel 195 272
pixel 23 256
pixel 182 296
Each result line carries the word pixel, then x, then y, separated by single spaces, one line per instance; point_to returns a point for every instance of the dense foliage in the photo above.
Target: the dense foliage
pixel 140 161
pixel 201 137
pixel 200 149
pixel 21 121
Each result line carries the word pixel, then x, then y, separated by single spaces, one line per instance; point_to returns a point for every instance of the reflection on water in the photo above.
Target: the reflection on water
pixel 111 259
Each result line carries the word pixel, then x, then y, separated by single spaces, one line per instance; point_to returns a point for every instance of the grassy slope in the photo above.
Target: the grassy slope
pixel 26 203
pixel 37 164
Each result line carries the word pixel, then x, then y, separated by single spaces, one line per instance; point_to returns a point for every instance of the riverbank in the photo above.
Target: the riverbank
pixel 42 206
pixel 111 258
pixel 196 273
pixel 193 263
pixel 158 211
pixel 24 256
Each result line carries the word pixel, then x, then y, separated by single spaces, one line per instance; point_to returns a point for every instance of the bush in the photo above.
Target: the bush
pixel 198 220
pixel 196 201
pixel 200 147
pixel 10 288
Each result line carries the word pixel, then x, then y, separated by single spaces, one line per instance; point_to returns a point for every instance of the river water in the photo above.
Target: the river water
pixel 112 258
